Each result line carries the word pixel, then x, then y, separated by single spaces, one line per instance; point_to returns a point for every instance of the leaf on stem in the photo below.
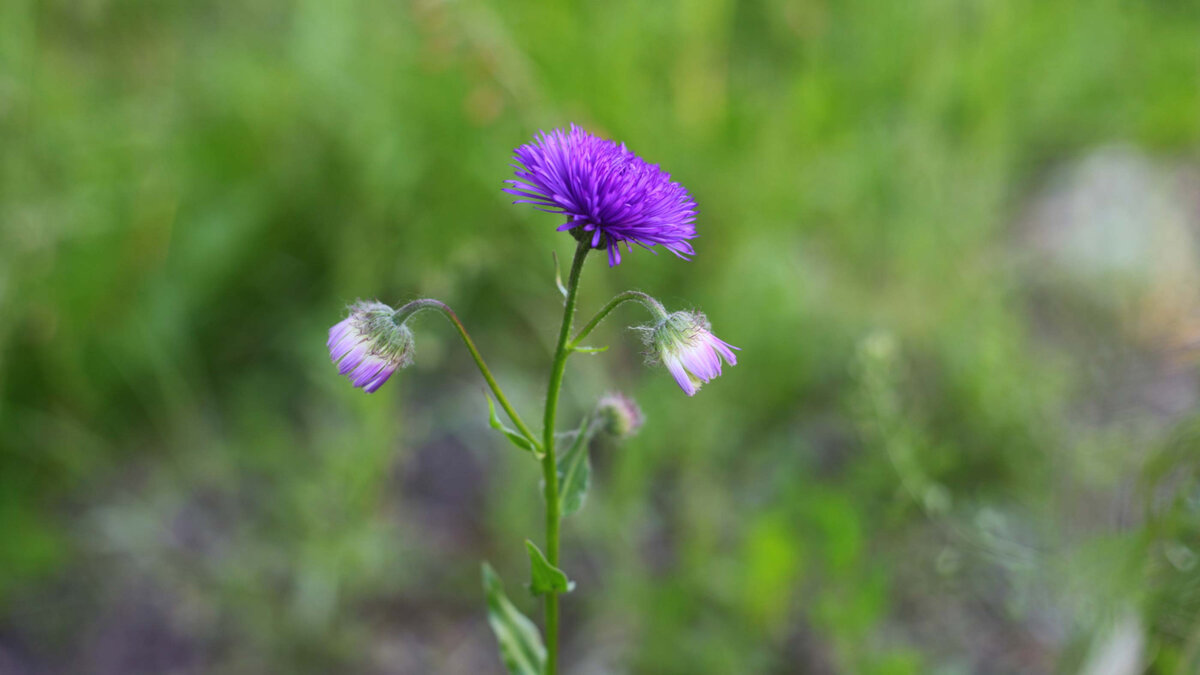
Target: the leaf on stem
pixel 546 578
pixel 558 275
pixel 520 643
pixel 575 471
pixel 516 438
pixel 590 350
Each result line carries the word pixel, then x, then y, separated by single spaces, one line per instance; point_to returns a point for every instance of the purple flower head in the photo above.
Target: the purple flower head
pixel 370 345
pixel 608 194
pixel 684 342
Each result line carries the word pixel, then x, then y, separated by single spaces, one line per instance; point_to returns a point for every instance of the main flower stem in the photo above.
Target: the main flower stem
pixel 549 462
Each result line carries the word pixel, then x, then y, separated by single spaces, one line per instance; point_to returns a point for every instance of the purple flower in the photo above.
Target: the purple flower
pixel 684 342
pixel 608 194
pixel 370 345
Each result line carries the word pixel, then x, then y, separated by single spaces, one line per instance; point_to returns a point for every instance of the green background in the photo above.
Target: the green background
pixel 942 451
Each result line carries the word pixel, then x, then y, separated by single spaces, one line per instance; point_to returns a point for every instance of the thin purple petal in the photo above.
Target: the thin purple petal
pixel 681 376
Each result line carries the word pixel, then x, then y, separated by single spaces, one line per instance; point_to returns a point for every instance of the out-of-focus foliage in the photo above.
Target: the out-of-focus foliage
pixel 955 442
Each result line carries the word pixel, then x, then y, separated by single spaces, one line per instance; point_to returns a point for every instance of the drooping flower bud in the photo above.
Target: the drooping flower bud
pixel 684 342
pixel 370 345
pixel 618 416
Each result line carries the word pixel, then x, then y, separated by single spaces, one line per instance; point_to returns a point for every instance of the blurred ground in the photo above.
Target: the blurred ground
pixel 956 241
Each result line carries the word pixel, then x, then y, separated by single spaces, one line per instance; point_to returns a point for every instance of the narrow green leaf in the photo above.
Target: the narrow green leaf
pixel 558 275
pixel 575 472
pixel 520 643
pixel 517 439
pixel 590 350
pixel 546 578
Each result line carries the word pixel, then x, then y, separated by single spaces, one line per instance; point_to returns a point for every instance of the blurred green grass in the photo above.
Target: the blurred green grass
pixel 191 192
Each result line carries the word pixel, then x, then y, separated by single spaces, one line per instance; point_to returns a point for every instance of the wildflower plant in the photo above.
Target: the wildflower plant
pixel 610 197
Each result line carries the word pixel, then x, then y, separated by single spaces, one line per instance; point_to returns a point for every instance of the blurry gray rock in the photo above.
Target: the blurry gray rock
pixel 1111 248
pixel 1120 229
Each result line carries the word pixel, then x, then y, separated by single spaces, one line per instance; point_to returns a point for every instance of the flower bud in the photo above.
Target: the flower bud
pixel 370 345
pixel 684 342
pixel 618 416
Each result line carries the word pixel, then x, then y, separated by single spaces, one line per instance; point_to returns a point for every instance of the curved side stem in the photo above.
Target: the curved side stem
pixel 549 462
pixel 654 306
pixel 428 303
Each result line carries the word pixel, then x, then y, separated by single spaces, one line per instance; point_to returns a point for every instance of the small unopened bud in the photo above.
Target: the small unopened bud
pixel 618 416
pixel 684 342
pixel 370 345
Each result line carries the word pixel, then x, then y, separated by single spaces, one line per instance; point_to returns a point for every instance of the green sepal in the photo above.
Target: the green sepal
pixel 520 643
pixel 516 438
pixel 545 578
pixel 575 472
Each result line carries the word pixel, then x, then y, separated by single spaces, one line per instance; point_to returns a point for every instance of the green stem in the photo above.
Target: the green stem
pixel 650 303
pixel 418 305
pixel 549 463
